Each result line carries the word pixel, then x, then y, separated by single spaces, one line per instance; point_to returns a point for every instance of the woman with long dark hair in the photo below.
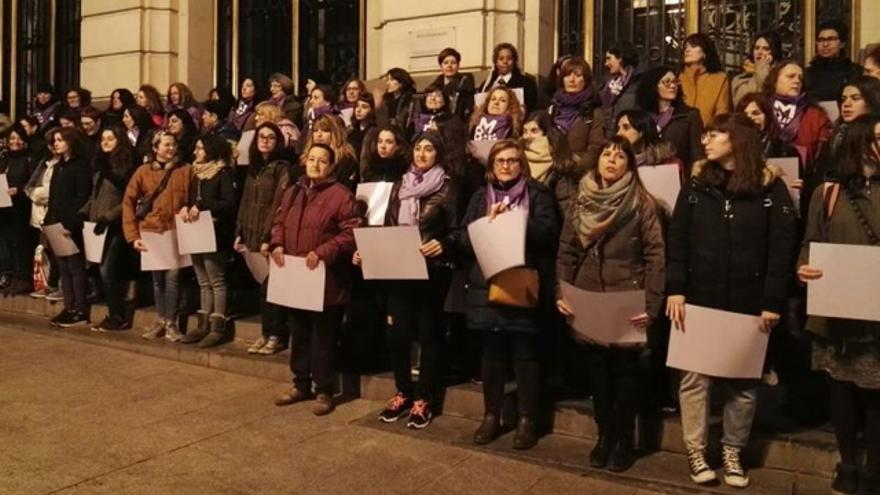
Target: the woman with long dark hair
pixel 180 124
pixel 394 104
pixel 386 155
pixel 703 81
pixel 243 110
pixel 639 129
pixel 766 51
pixel 618 92
pixel 139 129
pixel 148 98
pixel 120 99
pixel 363 122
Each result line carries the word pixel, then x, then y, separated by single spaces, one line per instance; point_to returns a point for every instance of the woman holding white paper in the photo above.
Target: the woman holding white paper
pixel 166 200
pixel 510 333
pixel 17 163
pixel 730 247
pixel 212 189
pixel 113 166
pixel 316 221
pixel 68 192
pixel 268 176
pixel 426 197
pixel 612 241
pixel 847 211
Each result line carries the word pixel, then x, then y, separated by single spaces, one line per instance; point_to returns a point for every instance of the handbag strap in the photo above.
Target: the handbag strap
pixel 863 221
pixel 162 185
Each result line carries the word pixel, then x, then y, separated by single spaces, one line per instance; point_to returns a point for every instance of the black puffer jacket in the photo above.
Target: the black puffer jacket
pixel 542 232
pixel 219 195
pixel 438 216
pixel 826 77
pixel 731 251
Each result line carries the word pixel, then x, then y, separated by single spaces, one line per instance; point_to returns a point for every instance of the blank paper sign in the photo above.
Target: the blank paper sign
pixel 5 198
pixel 718 343
pixel 162 253
pixel 93 244
pixel 62 245
pixel 791 171
pixel 501 243
pixel 376 196
pixel 391 253
pixel 196 237
pixel 849 284
pixel 295 286
pixel 258 265
pixel 831 109
pixel 604 316
pixel 663 182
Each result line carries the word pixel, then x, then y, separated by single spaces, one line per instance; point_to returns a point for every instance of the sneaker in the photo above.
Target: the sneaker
pixel 172 333
pixel 97 328
pixel 273 345
pixel 114 324
pixel 419 415
pixel 75 319
pixel 256 346
pixel 397 407
pixel 55 296
pixel 701 473
pixel 734 475
pixel 64 315
pixel 40 294
pixel 156 330
pixel 323 405
pixel 292 396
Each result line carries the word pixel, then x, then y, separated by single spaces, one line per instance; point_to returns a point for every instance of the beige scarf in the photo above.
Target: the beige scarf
pixel 207 170
pixel 596 209
pixel 537 152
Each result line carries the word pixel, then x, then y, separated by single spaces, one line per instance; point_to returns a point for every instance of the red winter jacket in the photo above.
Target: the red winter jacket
pixel 320 217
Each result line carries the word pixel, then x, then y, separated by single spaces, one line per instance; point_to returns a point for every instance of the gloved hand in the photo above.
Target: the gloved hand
pixel 101 226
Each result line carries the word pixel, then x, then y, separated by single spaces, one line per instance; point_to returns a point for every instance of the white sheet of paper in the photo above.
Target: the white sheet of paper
pixel 501 243
pixel 244 147
pixel 718 343
pixel 376 195
pixel 5 198
pixel 391 253
pixel 831 109
pixel 791 170
pixel 162 252
pixel 62 245
pixel 295 286
pixel 480 149
pixel 93 244
pixel 479 98
pixel 848 287
pixel 196 237
pixel 346 114
pixel 663 182
pixel 604 316
pixel 258 265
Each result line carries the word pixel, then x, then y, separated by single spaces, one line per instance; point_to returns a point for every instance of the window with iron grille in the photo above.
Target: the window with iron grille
pixel 5 56
pixel 67 51
pixel 329 35
pixel 224 45
pixel 655 27
pixel 32 50
pixel 265 33
pixel 571 27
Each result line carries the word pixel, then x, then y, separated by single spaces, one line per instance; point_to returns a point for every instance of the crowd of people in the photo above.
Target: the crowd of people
pixel 278 176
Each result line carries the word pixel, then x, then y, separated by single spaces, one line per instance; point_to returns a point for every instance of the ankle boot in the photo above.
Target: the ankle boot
pixel 846 478
pixel 198 333
pixel 526 435
pixel 488 430
pixel 217 324
pixel 622 457
pixel 602 451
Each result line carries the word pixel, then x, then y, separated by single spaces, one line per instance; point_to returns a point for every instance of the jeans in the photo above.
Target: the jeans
pixel 74 282
pixel 615 381
pixel 313 348
pixel 210 271
pixel 739 409
pixel 519 347
pixel 166 290
pixel 112 268
pixel 416 307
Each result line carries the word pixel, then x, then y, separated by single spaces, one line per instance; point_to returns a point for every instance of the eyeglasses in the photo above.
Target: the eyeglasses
pixel 671 83
pixel 829 39
pixel 507 161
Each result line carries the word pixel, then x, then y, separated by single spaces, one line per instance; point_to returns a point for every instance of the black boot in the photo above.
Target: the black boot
pixel 602 451
pixel 622 457
pixel 488 430
pixel 526 435
pixel 218 331
pixel 198 333
pixel 846 478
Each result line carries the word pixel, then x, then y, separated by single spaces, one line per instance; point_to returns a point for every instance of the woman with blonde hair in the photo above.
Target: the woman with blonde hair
pixel 329 130
pixel 268 111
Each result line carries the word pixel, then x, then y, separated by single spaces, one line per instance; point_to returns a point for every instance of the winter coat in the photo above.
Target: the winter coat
pixel 37 190
pixel 396 110
pixel 145 180
pixel 108 187
pixel 813 132
pixel 628 257
pixel 751 80
pixel 825 78
pixel 517 80
pixel 438 217
pixel 731 251
pixel 460 93
pixel 626 100
pixel 707 92
pixel 542 232
pixel 219 195
pixel 321 218
pixel 586 137
pixel 68 192
pixel 260 196
pixel 685 132
pixel 18 168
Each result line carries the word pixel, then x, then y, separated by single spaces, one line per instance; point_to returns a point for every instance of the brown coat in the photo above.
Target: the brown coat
pixel 586 138
pixel 144 181
pixel 629 257
pixel 707 92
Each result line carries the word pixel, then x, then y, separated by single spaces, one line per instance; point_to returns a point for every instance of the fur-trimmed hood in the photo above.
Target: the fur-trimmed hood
pixel 769 174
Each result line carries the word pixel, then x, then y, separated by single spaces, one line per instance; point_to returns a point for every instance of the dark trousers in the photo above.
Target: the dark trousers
pixel 313 347
pixel 415 308
pixel 112 270
pixel 273 318
pixel 848 404
pixel 18 240
pixel 616 385
pixel 499 347
pixel 74 282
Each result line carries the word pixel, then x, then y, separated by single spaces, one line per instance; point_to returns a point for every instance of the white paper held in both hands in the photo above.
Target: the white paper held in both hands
pixel 718 343
pixel 294 285
pixel 391 253
pixel 258 265
pixel 162 253
pixel 501 243
pixel 62 245
pixel 196 237
pixel 5 198
pixel 605 316
pixel 848 286
pixel 376 196
pixel 93 243
pixel 663 182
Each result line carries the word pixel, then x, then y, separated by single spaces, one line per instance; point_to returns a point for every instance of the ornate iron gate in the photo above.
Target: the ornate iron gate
pixel 656 27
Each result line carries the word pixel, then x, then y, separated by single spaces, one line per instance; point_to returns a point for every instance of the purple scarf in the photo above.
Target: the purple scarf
pixel 787 115
pixel 314 113
pixel 493 128
pixel 567 108
pixel 241 113
pixel 662 119
pixel 614 87
pixel 516 196
pixel 424 121
pixel 415 186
